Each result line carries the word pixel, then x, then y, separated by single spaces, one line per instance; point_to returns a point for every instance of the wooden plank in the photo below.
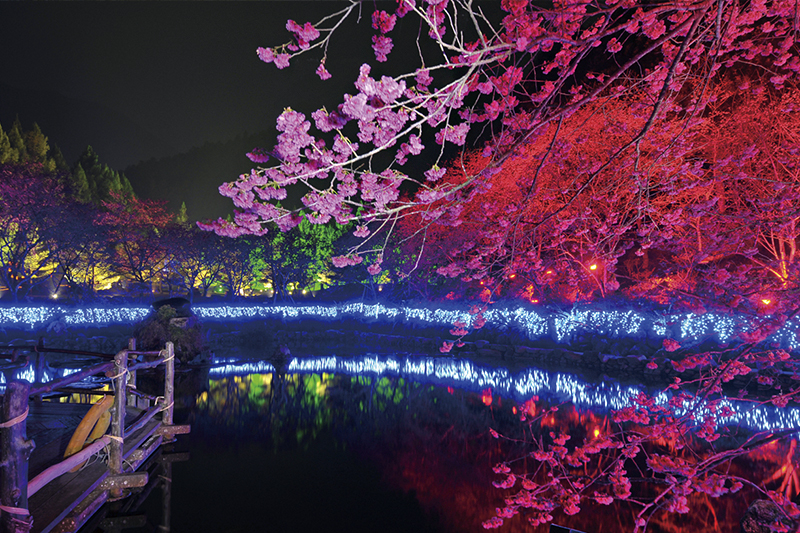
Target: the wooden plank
pixel 82 512
pixel 56 500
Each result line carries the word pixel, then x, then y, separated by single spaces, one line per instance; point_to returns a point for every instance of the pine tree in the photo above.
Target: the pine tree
pixel 58 159
pixel 90 162
pixel 15 136
pixel 107 183
pixel 182 217
pixel 80 185
pixel 114 182
pixel 7 154
pixel 127 188
pixel 36 144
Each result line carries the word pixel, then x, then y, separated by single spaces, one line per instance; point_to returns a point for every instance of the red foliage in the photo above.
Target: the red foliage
pixel 137 227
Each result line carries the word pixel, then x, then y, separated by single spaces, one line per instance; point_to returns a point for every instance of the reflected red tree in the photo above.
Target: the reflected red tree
pixel 661 452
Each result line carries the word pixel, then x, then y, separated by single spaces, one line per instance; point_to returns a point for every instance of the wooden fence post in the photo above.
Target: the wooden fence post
pixel 118 421
pixel 132 374
pixel 15 450
pixel 166 502
pixel 169 385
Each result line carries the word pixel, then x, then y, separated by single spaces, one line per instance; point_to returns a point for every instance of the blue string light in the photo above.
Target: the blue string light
pixel 534 324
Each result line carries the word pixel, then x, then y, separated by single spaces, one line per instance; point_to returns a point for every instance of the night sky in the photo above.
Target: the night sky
pixel 143 80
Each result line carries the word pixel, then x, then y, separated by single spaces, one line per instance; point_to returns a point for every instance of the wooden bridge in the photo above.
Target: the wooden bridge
pixel 40 490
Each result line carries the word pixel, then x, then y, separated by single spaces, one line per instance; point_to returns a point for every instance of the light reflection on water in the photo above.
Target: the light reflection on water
pixel 466 375
pixel 409 434
pixel 426 423
pixel 463 374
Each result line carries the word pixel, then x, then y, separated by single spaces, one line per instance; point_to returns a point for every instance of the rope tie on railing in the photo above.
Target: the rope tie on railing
pixel 15 421
pixel 114 437
pixel 125 371
pixel 162 399
pixel 14 510
pixel 170 358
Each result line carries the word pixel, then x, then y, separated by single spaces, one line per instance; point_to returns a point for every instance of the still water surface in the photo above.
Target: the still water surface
pixel 373 446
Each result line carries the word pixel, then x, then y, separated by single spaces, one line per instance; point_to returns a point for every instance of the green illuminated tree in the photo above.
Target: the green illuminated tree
pixel 60 163
pixel 241 264
pixel 127 188
pixel 18 151
pixel 36 145
pixel 7 154
pixel 182 217
pixel 80 185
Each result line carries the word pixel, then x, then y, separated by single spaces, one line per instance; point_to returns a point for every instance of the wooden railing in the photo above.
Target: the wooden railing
pixel 15 448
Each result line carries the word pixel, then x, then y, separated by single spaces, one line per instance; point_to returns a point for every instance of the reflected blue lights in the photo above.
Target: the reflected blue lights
pixel 233 368
pixel 556 386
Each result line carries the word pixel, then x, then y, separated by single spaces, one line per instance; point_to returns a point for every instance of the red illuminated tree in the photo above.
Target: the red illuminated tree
pixel 136 228
pixel 701 213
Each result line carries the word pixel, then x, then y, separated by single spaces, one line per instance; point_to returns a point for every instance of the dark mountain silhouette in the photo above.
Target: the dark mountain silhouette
pixel 194 176
pixel 74 124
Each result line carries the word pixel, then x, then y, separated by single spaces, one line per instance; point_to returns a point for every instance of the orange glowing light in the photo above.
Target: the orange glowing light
pixel 512 276
pixel 593 267
pixel 535 301
pixel 514 410
pixel 596 433
pixel 766 301
pixel 486 397
pixel 548 272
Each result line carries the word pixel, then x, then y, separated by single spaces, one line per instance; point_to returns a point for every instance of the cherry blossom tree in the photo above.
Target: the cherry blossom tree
pixel 701 223
pixel 31 202
pixel 503 82
pixel 578 149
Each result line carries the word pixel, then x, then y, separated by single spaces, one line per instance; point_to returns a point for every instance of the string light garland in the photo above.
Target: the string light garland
pixel 560 326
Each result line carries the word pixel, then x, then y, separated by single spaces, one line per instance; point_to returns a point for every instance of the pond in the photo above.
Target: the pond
pixel 387 443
